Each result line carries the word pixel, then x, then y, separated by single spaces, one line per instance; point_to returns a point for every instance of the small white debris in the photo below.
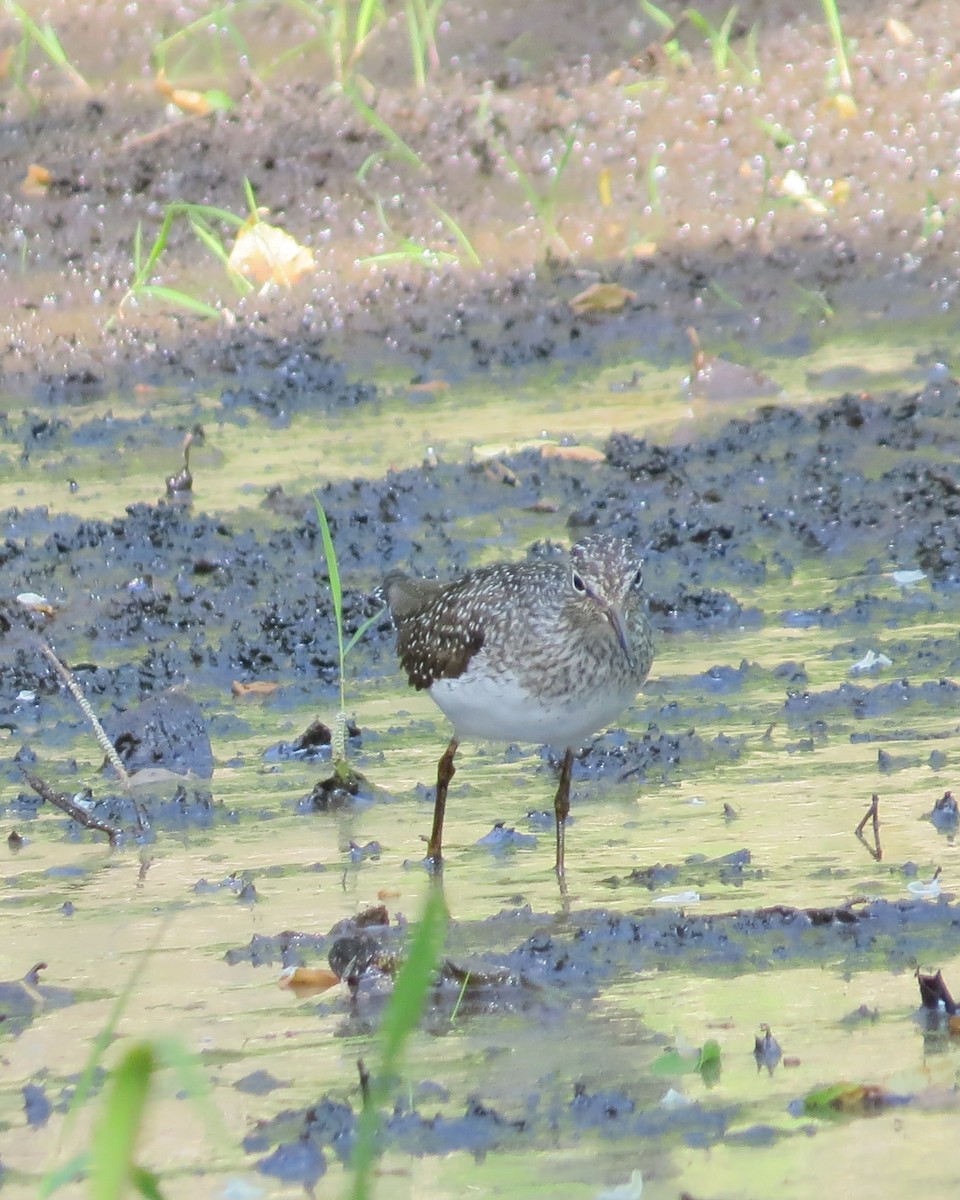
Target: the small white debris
pixel 26 697
pixel 925 891
pixel 907 578
pixel 871 661
pixel 674 1099
pixel 34 601
pixel 631 1190
pixel 679 898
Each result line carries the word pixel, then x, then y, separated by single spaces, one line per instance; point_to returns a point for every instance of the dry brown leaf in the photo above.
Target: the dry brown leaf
pixel 268 254
pixel 259 687
pixel 186 99
pixel 499 472
pixel 430 387
pixel 308 981
pixel 643 249
pixel 899 32
pixel 585 454
pixel 37 181
pixel 602 298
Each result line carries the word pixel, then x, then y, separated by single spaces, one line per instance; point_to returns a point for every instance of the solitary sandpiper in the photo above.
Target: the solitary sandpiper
pixel 546 651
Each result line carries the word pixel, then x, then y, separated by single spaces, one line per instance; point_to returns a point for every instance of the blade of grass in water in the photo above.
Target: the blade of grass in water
pixel 400 1019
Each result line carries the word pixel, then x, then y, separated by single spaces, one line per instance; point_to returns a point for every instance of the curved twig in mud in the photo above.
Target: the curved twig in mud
pixel 76 811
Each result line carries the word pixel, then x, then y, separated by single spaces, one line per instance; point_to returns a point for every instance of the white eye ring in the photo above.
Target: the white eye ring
pixel 578 585
pixel 637 580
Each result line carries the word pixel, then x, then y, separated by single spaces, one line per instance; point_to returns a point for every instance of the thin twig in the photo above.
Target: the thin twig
pixel 872 813
pixel 76 811
pixel 73 687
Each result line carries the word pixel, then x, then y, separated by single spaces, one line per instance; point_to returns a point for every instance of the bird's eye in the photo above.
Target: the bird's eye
pixel 637 581
pixel 578 585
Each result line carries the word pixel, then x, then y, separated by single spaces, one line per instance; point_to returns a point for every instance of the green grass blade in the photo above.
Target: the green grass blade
pixel 157 291
pixel 417 48
pixel 400 1019
pixel 390 135
pixel 658 15
pixel 362 629
pixel 462 240
pixel 206 235
pixel 115 1136
pixel 251 198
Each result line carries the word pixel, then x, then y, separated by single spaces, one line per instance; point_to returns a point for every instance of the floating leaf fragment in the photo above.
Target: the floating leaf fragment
pixel 678 898
pixel 907 578
pixel 849 1098
pixel 308 981
pixel 429 387
pixel 267 254
pixel 37 181
pixel 584 454
pixel 631 1190
pixel 794 187
pixel 604 188
pixel 197 104
pixel 602 298
pixel 258 687
pixel 34 602
pixel 871 662
pixel 929 890
pixel 898 32
pixel 845 105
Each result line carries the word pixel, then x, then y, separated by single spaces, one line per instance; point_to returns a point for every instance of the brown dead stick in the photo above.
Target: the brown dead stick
pixel 872 812
pixel 72 809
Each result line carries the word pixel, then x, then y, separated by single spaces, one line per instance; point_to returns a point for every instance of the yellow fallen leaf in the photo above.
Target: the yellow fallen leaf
pixel 602 298
pixel 605 188
pixel 308 981
pixel 845 105
pixel 268 254
pixel 898 32
pixel 430 387
pixel 586 454
pixel 37 181
pixel 643 249
pixel 259 687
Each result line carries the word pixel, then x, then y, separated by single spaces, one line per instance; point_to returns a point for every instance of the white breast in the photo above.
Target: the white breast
pixel 500 709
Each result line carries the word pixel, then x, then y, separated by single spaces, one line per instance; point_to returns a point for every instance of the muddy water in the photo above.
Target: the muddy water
pixel 770 542
pixel 572 1057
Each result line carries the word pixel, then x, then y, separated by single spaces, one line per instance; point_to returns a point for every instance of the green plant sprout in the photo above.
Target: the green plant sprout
pixel 338 741
pixel 544 203
pixel 199 217
pixel 676 55
pixel 410 251
pixel 422 17
pixel 398 147
pixel 935 216
pixel 718 39
pixel 110 1162
pixel 832 16
pixel 344 30
pixel 400 1019
pixel 45 38
pixel 217 23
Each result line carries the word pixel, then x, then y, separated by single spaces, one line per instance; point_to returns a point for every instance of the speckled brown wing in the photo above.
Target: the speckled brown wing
pixel 436 638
